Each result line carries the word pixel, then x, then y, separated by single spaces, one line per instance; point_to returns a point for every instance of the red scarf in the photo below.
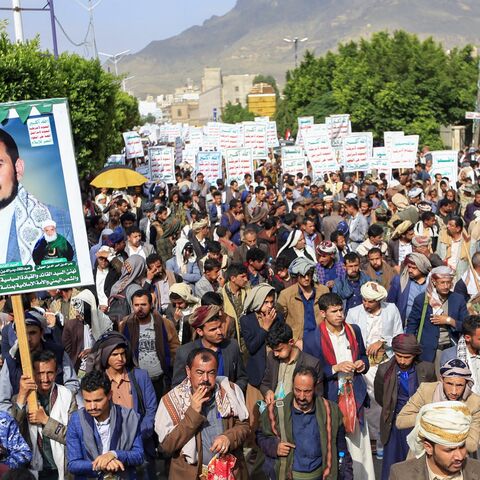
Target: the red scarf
pixel 327 347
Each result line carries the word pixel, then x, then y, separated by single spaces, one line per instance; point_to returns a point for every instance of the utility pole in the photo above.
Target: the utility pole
pixel 17 20
pixel 54 28
pixel 295 41
pixel 476 123
pixel 115 58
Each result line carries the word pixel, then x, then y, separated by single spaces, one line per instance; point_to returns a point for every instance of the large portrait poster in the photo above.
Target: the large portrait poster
pixel 44 240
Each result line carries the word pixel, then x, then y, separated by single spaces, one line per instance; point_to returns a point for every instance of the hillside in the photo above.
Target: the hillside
pixel 249 37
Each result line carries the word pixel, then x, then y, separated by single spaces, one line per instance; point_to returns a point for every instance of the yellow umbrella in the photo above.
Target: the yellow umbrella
pixel 118 177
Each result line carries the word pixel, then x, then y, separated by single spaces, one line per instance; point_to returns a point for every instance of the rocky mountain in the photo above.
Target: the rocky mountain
pixel 249 38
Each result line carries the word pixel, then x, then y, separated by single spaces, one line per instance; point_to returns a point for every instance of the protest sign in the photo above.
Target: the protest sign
pixel 172 131
pixel 133 145
pixel 238 162
pixel 320 154
pixel 445 162
pixel 178 150
pixel 210 164
pixel 195 137
pixel 339 126
pixel 293 160
pixel 401 150
pixel 255 137
pixel 304 125
pixel 42 221
pixel 272 135
pixel 142 166
pixel 162 164
pixel 381 163
pixel 189 156
pixel 228 136
pixel 115 160
pixel 357 150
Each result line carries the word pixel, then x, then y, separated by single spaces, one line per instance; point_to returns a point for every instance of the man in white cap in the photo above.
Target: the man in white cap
pixel 439 444
pixel 51 245
pixel 379 323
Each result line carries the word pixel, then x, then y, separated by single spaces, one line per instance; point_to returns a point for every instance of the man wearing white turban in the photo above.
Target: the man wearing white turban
pixel 439 443
pixel 379 323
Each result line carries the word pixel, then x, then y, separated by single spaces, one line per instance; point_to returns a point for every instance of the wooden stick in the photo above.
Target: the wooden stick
pixel 21 329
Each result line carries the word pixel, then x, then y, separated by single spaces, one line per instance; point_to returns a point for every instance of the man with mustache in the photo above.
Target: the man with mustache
pixel 302 435
pixel 52 245
pixel 203 417
pixel 103 438
pixel 21 214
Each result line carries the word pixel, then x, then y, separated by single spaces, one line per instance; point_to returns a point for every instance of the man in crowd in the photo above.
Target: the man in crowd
pixel 455 385
pixel 135 246
pixel 401 243
pixel 348 287
pixel 379 322
pixel 49 421
pixel 211 281
pixel 204 416
pixel 374 240
pixel 208 326
pixel 358 224
pixel 52 245
pixel 153 339
pixel 298 303
pixel 395 382
pixel 302 435
pixel 412 282
pixel 378 269
pixel 249 241
pixel 328 268
pixel 439 444
pixel 437 315
pixel 102 437
pixel 340 349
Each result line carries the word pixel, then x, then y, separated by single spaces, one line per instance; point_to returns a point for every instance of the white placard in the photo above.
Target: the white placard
pixel 133 145
pixel 238 162
pixel 162 164
pixel 293 160
pixel 357 150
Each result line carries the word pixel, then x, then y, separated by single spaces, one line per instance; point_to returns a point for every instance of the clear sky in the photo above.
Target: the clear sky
pixel 119 24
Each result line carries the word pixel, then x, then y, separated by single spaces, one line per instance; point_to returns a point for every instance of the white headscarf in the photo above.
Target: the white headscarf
pixel 100 322
pixel 446 423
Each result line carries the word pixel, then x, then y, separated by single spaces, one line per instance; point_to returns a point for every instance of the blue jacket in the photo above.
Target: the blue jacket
pixel 457 309
pixel 193 274
pixel 313 346
pixel 342 287
pixel 18 452
pixel 399 298
pixel 146 406
pixel 213 214
pixel 233 226
pixel 254 337
pixel 78 462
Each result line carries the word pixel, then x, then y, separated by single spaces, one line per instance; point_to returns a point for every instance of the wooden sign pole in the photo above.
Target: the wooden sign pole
pixel 21 329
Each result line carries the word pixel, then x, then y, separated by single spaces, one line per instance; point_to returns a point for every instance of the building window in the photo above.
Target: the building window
pixel 237 100
pixel 179 113
pixel 237 88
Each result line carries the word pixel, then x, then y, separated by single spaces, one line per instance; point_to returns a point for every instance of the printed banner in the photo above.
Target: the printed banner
pixel 238 162
pixel 402 150
pixel 255 137
pixel 210 164
pixel 320 154
pixel 357 150
pixel 339 126
pixel 162 164
pixel 293 160
pixel 445 162
pixel 115 160
pixel 45 242
pixel 133 145
pixel 228 136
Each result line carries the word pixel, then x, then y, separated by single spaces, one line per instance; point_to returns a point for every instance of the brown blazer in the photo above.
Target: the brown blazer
pixel 72 339
pixel 270 379
pixel 416 469
pixel 291 305
pixel 387 274
pixel 423 396
pixel 190 426
pixel 386 391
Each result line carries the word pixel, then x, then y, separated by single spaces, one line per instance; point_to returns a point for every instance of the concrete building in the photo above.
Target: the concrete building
pixel 185 112
pixel 236 88
pixel 262 100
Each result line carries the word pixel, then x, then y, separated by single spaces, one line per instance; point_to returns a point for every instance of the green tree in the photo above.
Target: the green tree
pixel 149 118
pixel 234 113
pixel 99 110
pixel 390 82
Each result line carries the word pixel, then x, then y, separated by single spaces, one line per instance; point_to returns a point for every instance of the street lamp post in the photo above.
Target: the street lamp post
pixel 124 82
pixel 295 41
pixel 115 58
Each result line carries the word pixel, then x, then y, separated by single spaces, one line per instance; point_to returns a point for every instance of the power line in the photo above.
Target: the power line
pixel 68 37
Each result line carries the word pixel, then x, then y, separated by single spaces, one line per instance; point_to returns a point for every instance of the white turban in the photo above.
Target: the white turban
pixel 48 223
pixel 373 291
pixel 446 423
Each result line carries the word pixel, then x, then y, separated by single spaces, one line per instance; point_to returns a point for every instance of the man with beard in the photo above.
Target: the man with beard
pixel 328 267
pixel 208 326
pixel 103 438
pixel 205 416
pixel 412 282
pixel 378 269
pixel 438 441
pixel 21 214
pixel 52 245
pixel 153 339
pixel 395 382
pixel 302 435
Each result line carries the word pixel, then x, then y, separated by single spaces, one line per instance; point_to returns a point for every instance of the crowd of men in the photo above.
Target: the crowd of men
pixel 275 329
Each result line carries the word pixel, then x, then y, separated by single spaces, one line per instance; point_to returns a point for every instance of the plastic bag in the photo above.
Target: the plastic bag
pixel 347 405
